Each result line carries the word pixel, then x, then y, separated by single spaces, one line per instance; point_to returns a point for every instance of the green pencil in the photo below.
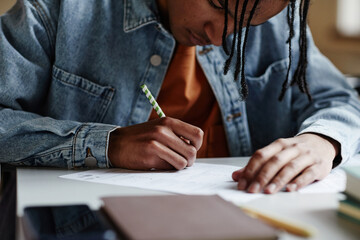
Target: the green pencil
pixel 152 101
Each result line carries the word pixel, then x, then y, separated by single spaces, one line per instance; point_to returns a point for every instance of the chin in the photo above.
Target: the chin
pixel 186 44
pixel 181 38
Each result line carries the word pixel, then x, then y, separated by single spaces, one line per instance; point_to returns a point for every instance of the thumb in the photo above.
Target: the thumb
pixel 237 174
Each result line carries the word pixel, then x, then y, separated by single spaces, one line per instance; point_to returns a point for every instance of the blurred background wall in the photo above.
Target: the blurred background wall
pixel 5 5
pixel 343 50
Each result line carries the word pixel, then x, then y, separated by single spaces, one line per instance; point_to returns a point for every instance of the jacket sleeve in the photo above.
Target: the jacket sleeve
pixel 27 136
pixel 335 108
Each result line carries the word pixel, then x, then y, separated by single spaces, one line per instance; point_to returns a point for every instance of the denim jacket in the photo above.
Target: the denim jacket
pixel 70 73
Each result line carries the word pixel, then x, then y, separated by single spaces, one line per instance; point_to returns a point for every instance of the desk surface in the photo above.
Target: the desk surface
pixel 44 187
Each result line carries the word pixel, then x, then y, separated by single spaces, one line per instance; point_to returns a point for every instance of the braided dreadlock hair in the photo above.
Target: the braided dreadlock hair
pixel 299 77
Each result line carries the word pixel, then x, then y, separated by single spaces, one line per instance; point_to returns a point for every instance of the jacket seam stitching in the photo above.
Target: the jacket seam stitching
pixel 45 20
pixel 143 22
pixel 108 89
pixel 42 155
pixel 74 143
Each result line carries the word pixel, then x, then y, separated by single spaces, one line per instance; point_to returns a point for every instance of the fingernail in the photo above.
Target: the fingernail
pixel 242 184
pixel 185 140
pixel 270 188
pixel 291 187
pixel 254 187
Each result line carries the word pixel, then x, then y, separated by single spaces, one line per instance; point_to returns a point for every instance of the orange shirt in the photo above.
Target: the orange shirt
pixel 186 95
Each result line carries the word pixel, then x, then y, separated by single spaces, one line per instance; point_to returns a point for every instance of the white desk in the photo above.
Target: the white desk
pixel 44 187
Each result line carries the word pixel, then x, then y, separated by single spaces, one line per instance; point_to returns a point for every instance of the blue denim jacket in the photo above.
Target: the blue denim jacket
pixel 70 73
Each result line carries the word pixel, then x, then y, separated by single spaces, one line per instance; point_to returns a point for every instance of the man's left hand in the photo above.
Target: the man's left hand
pixel 291 163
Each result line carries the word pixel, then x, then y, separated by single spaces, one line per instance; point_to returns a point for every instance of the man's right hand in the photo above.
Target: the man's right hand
pixel 160 144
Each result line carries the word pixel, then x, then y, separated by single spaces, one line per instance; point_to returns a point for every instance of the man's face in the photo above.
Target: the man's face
pixel 201 22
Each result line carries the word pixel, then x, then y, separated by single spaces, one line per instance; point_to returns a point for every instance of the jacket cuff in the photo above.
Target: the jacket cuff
pixel 90 146
pixel 343 154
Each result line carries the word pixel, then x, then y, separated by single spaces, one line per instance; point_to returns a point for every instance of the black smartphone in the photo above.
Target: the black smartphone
pixel 68 222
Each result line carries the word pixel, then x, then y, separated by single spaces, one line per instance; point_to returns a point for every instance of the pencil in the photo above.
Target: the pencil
pixel 157 107
pixel 152 101
pixel 303 231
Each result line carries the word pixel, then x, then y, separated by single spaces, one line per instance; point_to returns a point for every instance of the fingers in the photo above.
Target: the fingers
pixel 310 175
pixel 160 164
pixel 263 155
pixel 272 166
pixel 186 131
pixel 291 163
pixel 173 149
pixel 237 174
pixel 265 163
pixel 185 145
pixel 155 144
pixel 161 152
pixel 287 173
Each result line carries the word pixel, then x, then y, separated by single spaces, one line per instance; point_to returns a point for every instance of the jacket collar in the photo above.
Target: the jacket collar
pixel 138 13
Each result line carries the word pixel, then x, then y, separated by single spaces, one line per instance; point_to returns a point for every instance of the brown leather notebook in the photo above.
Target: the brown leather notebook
pixel 183 217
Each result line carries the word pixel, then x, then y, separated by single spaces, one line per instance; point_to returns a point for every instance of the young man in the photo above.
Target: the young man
pixel 70 74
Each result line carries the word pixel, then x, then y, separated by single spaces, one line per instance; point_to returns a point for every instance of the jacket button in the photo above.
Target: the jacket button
pixel 231 117
pixel 90 162
pixel 155 60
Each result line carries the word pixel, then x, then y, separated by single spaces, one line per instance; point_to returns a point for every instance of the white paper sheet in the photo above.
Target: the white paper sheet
pixel 333 183
pixel 201 178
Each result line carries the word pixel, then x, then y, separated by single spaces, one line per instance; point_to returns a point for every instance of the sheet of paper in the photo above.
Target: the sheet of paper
pixel 201 178
pixel 333 183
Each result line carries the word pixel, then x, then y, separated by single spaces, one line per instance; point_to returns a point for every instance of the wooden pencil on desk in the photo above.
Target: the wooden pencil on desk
pixel 281 224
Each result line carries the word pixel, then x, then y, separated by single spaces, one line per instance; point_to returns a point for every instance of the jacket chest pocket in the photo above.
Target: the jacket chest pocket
pixel 72 97
pixel 264 109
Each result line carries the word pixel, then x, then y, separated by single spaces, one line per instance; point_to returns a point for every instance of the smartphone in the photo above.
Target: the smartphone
pixel 68 222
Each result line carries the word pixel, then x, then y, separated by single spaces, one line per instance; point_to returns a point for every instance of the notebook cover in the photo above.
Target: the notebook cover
pixel 350 209
pixel 353 170
pixel 353 181
pixel 183 217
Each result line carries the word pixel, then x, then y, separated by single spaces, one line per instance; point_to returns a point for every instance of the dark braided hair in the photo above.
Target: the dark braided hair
pixel 299 77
